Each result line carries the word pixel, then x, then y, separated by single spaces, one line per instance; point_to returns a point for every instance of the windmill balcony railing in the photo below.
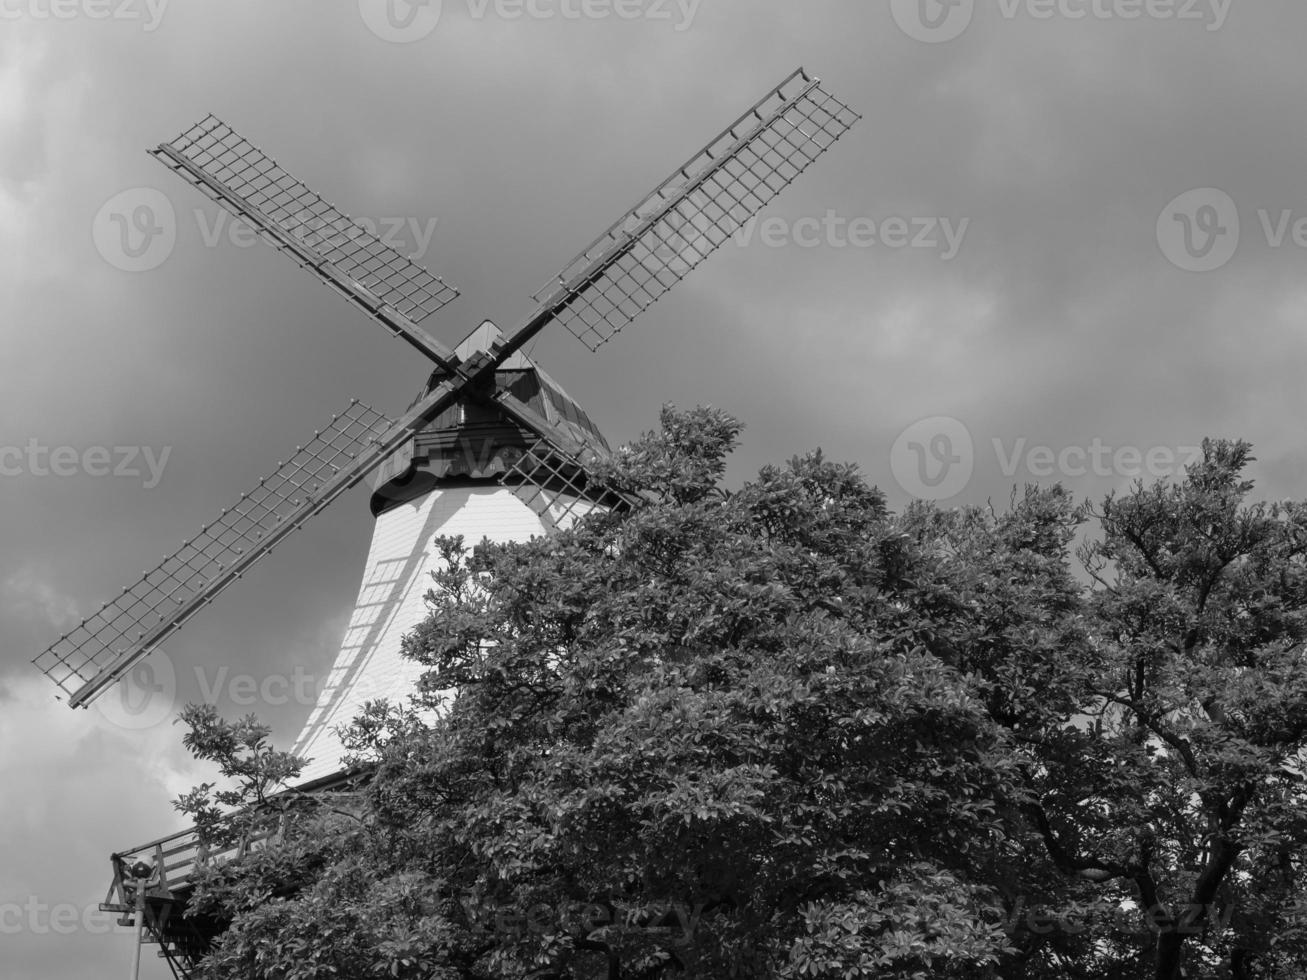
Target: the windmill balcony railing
pixel 185 936
pixel 177 859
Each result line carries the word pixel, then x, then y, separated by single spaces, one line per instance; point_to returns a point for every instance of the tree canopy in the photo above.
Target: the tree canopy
pixel 783 732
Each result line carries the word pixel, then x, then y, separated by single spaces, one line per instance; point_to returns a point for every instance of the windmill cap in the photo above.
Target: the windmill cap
pixel 484 338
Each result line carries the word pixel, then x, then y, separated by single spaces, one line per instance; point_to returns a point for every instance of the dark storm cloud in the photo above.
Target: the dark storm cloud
pixel 1051 146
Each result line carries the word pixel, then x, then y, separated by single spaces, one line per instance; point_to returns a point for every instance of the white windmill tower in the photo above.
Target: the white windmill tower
pixel 445 482
pixel 491 448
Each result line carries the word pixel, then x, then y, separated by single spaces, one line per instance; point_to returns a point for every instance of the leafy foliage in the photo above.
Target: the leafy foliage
pixel 782 732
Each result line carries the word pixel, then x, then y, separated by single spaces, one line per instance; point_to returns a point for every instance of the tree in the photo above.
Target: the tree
pixel 1198 682
pixel 1158 712
pixel 783 732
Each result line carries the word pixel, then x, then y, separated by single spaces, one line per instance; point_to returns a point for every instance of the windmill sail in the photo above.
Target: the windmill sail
pixel 86 661
pixel 652 247
pixel 623 272
pixel 694 211
pixel 124 631
pixel 488 422
pixel 232 171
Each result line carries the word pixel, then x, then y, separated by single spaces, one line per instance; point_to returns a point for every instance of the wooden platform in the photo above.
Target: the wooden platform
pixel 183 939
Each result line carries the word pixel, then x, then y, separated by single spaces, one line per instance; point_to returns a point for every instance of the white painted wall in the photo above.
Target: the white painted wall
pixel 391 602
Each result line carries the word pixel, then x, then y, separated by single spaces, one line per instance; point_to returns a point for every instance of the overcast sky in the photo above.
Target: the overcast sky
pixel 1062 244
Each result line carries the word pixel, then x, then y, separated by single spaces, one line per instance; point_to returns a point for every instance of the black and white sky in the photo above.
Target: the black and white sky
pixel 1064 243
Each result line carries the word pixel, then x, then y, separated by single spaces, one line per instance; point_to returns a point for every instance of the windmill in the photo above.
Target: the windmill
pixel 518 433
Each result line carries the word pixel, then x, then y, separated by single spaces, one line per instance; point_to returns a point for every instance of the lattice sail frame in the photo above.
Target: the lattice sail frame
pixel 156 605
pixel 696 210
pixel 559 486
pixel 232 171
pixel 620 275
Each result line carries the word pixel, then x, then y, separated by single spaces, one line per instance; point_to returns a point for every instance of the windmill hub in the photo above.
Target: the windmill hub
pixel 473 440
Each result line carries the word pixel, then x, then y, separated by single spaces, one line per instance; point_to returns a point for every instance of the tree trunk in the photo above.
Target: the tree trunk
pixel 1170 944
